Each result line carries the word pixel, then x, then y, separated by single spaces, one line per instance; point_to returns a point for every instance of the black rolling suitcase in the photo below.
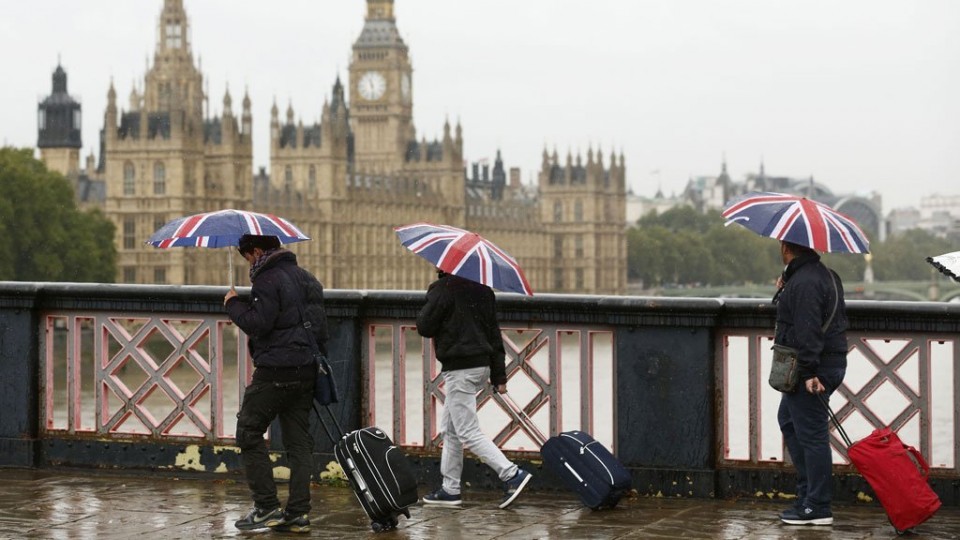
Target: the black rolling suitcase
pixel 380 474
pixel 584 464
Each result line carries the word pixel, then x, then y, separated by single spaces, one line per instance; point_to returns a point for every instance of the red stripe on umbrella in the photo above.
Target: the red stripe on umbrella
pixel 814 222
pixel 458 251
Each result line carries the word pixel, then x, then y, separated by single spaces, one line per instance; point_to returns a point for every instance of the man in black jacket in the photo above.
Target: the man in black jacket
pixel 282 385
pixel 810 297
pixel 460 315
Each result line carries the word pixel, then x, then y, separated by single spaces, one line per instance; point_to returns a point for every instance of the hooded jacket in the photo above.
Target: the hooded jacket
pixel 460 315
pixel 271 318
pixel 803 306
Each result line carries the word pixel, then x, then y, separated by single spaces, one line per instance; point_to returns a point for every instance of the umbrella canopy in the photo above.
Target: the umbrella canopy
pixel 948 263
pixel 798 220
pixel 223 228
pixel 465 254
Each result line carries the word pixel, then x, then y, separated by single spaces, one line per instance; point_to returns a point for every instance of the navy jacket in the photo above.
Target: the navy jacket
pixel 271 318
pixel 460 315
pixel 803 306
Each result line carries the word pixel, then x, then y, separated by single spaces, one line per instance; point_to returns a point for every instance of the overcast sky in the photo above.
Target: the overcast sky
pixel 860 94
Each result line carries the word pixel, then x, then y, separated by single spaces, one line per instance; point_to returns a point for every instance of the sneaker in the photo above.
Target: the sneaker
pixel 442 498
pixel 807 516
pixel 514 486
pixel 259 519
pixel 791 510
pixel 296 523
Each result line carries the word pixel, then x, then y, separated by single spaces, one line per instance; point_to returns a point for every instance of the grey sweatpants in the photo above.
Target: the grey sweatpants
pixel 461 428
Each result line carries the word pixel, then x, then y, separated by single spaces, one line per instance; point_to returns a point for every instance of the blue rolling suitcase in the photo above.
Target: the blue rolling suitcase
pixel 584 464
pixel 587 468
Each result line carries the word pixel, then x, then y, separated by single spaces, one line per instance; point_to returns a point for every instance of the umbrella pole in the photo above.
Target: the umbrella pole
pixel 230 265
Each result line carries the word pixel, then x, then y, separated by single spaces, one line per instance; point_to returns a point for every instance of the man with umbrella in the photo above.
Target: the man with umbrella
pixel 283 381
pixel 460 316
pixel 811 318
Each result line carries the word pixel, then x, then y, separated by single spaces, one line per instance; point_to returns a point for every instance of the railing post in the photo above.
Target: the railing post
pixel 19 386
pixel 665 408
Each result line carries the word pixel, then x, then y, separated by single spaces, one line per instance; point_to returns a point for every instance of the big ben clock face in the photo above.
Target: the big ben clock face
pixel 372 85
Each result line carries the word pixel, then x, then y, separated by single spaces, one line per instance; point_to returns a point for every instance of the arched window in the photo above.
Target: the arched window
pixel 578 211
pixel 159 179
pixel 129 178
pixel 313 178
pixel 557 211
pixel 288 177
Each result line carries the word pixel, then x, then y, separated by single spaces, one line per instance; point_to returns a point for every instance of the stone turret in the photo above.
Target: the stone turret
pixel 58 127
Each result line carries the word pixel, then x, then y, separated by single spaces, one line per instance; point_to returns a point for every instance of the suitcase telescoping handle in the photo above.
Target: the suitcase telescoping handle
pixel 323 423
pixel 521 417
pixel 836 421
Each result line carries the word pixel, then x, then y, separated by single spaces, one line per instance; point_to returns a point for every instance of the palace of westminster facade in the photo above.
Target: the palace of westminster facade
pixel 346 181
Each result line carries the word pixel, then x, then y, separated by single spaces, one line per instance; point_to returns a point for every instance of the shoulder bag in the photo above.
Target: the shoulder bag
pixel 784 370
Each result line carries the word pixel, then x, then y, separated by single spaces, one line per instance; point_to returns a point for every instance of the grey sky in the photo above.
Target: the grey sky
pixel 861 94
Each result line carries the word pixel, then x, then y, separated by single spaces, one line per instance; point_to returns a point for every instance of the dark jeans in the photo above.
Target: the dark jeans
pixel 262 402
pixel 806 431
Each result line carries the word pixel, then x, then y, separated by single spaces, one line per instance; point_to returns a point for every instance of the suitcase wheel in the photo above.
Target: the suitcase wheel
pixel 386 525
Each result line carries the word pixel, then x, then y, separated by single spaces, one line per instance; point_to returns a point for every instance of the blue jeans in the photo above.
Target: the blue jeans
pixel 806 432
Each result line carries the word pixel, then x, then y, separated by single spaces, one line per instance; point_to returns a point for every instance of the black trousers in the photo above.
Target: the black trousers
pixel 290 402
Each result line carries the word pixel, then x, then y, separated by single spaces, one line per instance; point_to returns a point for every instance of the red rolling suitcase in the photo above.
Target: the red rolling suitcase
pixel 896 472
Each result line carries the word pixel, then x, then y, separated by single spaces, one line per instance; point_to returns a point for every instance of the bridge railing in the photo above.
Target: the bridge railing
pixel 152 376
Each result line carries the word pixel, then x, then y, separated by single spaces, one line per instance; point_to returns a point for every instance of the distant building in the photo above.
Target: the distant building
pixel 59 120
pixel 639 206
pixel 346 180
pixel 938 214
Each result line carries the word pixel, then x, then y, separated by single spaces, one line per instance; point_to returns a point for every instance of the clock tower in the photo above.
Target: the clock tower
pixel 381 92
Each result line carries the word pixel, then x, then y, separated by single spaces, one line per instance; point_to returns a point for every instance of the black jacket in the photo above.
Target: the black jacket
pixel 460 315
pixel 271 318
pixel 803 306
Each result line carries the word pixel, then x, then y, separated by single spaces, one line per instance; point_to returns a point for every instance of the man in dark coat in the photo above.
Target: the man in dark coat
pixel 460 315
pixel 282 385
pixel 810 296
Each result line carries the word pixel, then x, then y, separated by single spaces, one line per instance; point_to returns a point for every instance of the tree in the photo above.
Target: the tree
pixel 43 235
pixel 903 257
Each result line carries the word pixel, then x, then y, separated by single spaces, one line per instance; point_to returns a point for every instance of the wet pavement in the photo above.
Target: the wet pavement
pixel 105 505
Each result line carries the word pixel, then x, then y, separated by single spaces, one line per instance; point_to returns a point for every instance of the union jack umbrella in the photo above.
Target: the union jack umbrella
pixel 948 263
pixel 465 254
pixel 798 220
pixel 223 228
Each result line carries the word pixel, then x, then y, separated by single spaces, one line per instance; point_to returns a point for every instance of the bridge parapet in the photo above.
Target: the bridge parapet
pixel 151 377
